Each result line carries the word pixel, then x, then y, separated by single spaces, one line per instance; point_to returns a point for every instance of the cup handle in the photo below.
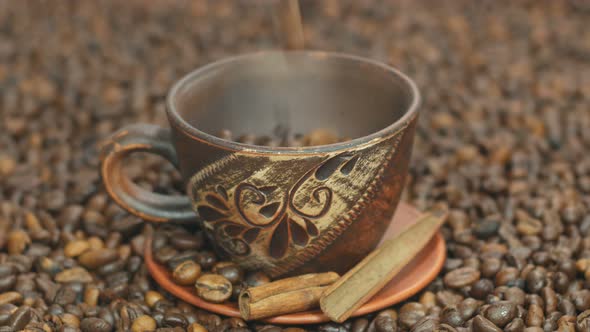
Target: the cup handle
pixel 140 202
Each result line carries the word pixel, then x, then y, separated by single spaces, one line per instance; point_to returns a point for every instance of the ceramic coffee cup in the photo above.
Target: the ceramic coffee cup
pixel 283 210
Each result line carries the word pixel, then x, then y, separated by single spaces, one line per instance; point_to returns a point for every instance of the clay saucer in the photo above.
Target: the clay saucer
pixel 415 276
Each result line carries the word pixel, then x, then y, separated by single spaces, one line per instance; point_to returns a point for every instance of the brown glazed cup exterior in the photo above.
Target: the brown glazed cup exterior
pixel 283 210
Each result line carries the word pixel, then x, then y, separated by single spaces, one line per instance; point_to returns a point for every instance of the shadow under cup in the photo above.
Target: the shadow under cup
pixel 282 210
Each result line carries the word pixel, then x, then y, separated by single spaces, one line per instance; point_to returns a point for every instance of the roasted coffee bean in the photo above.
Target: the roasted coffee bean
pixel 7 270
pixel 70 320
pixel 229 271
pixel 206 259
pixel 568 267
pixel 567 324
pixel 566 307
pixel 468 307
pixel 196 327
pixel 20 318
pixel 461 277
pixel 506 275
pixel 186 273
pixel 536 280
pixel 117 278
pixel 534 299
pixel 55 309
pixel 560 282
pixel 163 305
pixel 170 329
pixel 112 267
pixel 74 310
pixel 427 323
pixel 410 313
pixel 428 299
pixel 152 297
pixel 213 287
pixel 359 325
pixel 320 136
pixel 448 298
pixel 236 290
pixel 174 320
pixel 143 323
pixel 451 316
pixel 551 323
pixel 11 297
pixel 583 321
pixel 17 241
pixel 247 139
pixel 452 264
pixel 517 325
pixel 446 328
pixel 94 324
pixel 6 310
pixel 481 288
pixel 134 264
pixel 93 259
pixel 76 248
pixel 535 316
pixel 550 299
pixel 256 279
pixel 127 226
pixel 189 255
pixel 486 228
pixel 581 299
pixel 501 313
pixel 481 324
pixel 515 295
pixel 25 283
pixel 75 274
pixel 65 295
pixel 385 321
pixel 186 241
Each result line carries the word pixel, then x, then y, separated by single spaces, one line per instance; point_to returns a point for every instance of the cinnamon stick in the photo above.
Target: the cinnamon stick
pixel 369 276
pixel 284 296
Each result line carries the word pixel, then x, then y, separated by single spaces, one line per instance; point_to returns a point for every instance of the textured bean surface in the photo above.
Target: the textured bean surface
pixel 503 141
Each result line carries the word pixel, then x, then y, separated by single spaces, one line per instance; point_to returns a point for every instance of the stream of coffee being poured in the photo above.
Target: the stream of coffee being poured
pixel 288 20
pixel 289 28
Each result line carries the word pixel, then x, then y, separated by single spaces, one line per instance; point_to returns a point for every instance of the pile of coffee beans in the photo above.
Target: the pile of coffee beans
pixel 503 141
pixel 193 264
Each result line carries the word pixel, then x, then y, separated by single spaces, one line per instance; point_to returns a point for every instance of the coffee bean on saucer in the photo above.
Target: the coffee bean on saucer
pixel 213 288
pixel 256 279
pixel 164 254
pixel 229 271
pixel 206 259
pixel 186 273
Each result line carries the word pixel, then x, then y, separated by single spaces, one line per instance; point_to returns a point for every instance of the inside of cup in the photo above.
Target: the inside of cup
pixel 299 91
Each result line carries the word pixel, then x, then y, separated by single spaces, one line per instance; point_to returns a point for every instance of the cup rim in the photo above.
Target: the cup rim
pixel 177 120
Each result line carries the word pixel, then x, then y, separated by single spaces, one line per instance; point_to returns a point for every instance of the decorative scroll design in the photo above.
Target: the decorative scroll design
pixel 288 215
